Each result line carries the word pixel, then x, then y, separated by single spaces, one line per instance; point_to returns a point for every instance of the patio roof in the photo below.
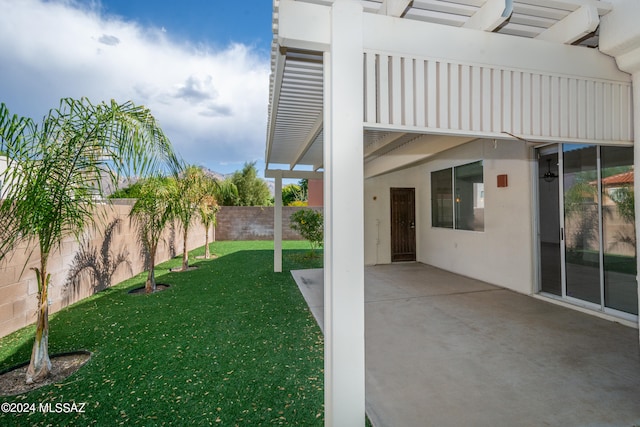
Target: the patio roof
pixel 295 126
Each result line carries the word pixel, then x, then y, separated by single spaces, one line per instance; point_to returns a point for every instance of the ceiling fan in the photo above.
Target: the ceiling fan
pixel 549 176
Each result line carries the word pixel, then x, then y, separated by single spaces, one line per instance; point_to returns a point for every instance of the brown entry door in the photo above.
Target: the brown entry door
pixel 403 224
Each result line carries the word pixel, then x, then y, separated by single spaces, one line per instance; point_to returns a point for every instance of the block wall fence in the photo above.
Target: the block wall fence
pixel 115 236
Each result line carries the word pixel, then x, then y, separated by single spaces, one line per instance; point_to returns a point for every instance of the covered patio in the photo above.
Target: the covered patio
pixel 446 350
pixel 427 121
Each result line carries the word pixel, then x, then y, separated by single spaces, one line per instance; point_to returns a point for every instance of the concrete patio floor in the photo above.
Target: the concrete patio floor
pixel 445 350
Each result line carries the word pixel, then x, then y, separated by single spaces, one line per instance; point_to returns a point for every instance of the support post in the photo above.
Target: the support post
pixel 636 177
pixel 277 224
pixel 344 213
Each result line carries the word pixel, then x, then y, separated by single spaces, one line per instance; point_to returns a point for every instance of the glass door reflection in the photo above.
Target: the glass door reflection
pixel 581 223
pixel 549 223
pixel 618 229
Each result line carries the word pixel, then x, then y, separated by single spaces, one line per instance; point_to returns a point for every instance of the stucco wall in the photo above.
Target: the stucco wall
pixel 18 286
pixel 315 192
pixel 502 254
pixel 377 209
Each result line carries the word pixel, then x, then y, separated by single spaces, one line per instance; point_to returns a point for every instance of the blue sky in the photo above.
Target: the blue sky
pixel 214 22
pixel 201 66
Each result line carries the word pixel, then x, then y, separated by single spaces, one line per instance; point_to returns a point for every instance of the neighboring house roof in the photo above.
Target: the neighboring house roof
pixel 625 178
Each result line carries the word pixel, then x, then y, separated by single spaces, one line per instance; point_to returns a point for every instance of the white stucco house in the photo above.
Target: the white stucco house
pixel 495 139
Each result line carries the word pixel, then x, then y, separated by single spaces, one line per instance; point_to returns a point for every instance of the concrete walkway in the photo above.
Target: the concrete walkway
pixel 444 350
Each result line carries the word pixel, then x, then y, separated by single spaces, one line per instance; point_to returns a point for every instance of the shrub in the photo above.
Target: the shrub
pixel 310 224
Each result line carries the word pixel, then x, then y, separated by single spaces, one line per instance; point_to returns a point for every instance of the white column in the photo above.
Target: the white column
pixel 277 224
pixel 344 212
pixel 636 178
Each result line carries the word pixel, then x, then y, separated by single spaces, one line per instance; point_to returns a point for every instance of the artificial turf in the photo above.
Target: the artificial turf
pixel 230 343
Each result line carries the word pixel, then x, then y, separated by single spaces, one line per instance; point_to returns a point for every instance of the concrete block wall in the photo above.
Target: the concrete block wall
pixel 18 284
pixel 254 223
pixel 71 283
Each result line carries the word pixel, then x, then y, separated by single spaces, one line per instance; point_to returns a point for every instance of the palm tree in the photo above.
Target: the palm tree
pixel 152 211
pixel 55 177
pixel 226 193
pixel 192 188
pixel 208 210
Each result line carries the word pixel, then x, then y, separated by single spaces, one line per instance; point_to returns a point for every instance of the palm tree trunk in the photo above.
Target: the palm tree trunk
pixel 207 253
pixel 185 252
pixel 40 365
pixel 150 284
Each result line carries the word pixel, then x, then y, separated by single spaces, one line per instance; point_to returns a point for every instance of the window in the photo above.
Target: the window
pixel 457 197
pixel 442 198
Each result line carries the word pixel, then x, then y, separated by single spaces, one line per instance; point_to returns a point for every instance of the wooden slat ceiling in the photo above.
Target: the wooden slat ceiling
pixel 294 134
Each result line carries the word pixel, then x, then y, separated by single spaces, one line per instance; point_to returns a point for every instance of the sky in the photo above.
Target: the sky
pixel 201 66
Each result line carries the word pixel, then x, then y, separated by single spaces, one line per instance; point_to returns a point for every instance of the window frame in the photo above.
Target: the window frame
pixel 454 221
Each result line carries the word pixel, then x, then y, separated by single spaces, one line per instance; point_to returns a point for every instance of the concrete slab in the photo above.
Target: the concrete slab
pixel 445 350
pixel 311 285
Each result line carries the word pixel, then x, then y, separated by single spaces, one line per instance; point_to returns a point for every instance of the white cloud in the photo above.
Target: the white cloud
pixel 211 103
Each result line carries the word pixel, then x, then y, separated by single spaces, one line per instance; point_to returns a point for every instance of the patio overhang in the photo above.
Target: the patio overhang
pixel 542 54
pixel 406 80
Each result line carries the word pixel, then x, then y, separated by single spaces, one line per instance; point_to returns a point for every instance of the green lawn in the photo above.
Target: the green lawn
pixel 231 343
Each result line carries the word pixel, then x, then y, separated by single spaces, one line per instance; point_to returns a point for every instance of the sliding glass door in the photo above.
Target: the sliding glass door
pixel 586 230
pixel 549 220
pixel 618 229
pixel 581 223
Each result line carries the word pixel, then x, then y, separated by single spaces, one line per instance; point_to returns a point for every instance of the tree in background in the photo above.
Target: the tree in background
pixel 252 191
pixel 226 193
pixel 624 199
pixel 56 174
pixel 293 195
pixel 130 192
pixel 151 213
pixel 304 186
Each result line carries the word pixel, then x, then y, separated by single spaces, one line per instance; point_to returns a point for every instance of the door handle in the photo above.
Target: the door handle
pixel 412 224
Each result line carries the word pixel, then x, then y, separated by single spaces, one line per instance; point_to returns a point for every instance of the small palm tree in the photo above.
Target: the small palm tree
pixel 151 213
pixel 192 189
pixel 55 177
pixel 208 210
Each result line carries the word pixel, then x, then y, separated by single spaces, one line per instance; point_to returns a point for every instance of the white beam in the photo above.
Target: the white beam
pixel 467 46
pixel 583 21
pixel 491 15
pixel 344 213
pixel 292 174
pixel 308 142
pixel 304 25
pixel 570 5
pixel 393 7
pixel 277 225
pixel 620 35
pixel 381 143
pixel 411 153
